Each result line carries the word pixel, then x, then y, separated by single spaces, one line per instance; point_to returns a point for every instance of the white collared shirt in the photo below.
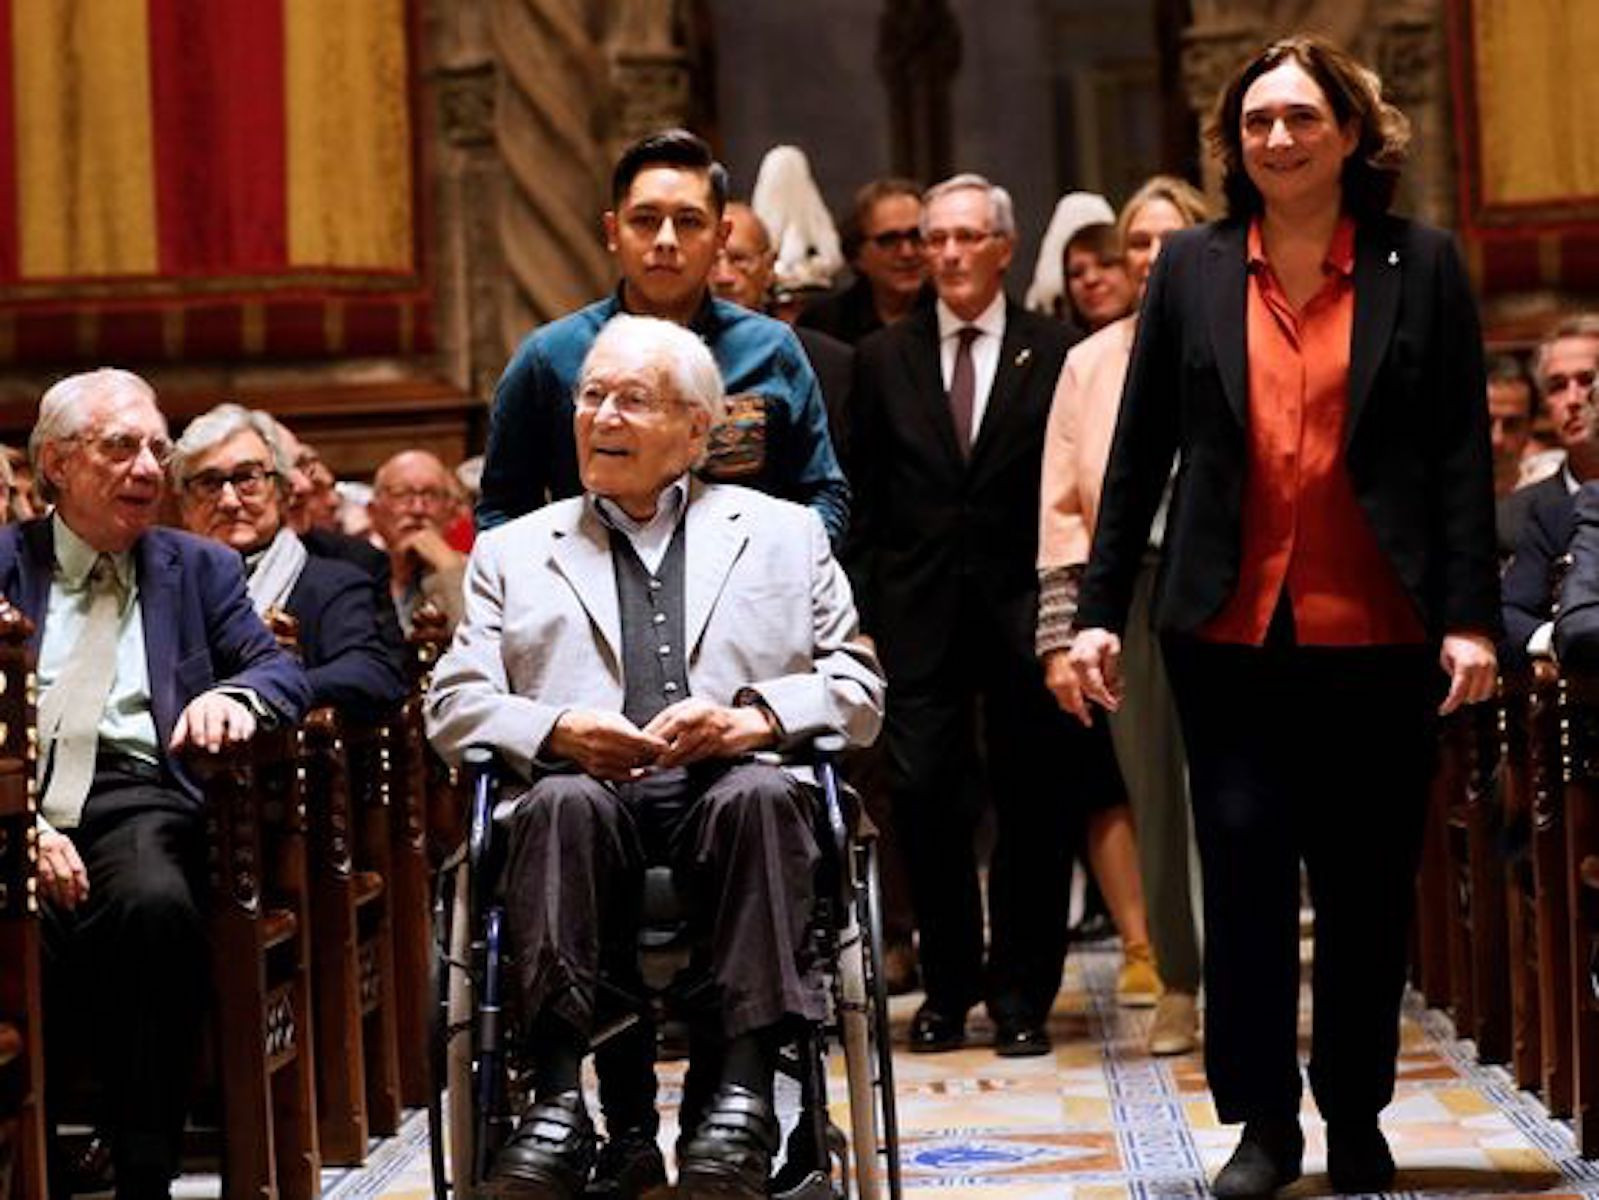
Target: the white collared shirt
pixel 985 351
pixel 650 538
pixel 126 725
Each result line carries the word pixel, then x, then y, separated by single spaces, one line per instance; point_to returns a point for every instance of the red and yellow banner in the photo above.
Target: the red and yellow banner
pixel 255 157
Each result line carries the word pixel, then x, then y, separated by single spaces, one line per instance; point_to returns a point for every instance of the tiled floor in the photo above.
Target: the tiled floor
pixel 1101 1120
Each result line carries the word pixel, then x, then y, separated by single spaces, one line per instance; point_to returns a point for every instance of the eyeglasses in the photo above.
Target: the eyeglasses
pixel 892 239
pixel 249 482
pixel 1553 385
pixel 964 239
pixel 630 402
pixel 740 260
pixel 122 448
pixel 433 497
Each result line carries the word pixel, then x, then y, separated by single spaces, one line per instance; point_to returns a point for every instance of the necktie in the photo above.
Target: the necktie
pixel 69 713
pixel 963 387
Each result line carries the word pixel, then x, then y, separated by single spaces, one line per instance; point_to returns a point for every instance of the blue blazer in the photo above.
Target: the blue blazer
pixel 1526 591
pixel 199 628
pixel 346 659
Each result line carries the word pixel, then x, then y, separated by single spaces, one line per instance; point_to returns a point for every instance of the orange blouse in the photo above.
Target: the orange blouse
pixel 1303 527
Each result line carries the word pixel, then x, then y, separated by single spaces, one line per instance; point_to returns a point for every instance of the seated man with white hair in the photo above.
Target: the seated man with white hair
pixel 148 654
pixel 232 475
pixel 626 652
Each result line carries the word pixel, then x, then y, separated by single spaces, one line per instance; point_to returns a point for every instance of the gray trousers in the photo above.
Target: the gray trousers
pixel 1149 750
pixel 738 838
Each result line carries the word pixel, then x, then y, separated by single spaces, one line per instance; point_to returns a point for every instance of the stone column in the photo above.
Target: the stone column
pixel 467 181
pixel 652 69
pixel 918 53
pixel 552 120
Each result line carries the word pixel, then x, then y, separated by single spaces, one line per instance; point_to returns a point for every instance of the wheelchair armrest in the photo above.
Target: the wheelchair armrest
pixel 479 767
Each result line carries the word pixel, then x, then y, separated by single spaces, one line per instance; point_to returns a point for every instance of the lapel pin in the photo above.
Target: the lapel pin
pixel 1393 258
pixel 1023 356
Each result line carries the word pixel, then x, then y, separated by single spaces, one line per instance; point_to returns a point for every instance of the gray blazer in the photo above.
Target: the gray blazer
pixel 766 607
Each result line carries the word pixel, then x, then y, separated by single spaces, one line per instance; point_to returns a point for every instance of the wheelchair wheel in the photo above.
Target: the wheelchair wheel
pixel 863 1025
pixel 869 899
pixel 451 1107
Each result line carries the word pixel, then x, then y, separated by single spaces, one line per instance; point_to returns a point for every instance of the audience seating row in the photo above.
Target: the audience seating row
pixel 321 845
pixel 1508 895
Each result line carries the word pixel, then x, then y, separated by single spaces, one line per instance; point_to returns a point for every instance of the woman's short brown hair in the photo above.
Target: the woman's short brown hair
pixel 1354 93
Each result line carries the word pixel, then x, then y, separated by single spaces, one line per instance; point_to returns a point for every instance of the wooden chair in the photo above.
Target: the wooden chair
pixel 260 933
pixel 1430 940
pixel 22 1119
pixel 1580 710
pixel 358 1084
pixel 1527 754
pixel 1479 984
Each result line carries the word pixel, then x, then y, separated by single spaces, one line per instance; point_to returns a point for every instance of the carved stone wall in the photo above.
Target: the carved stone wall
pixel 553 116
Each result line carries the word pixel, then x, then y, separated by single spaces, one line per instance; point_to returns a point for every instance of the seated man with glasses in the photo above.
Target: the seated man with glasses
pixel 1538 518
pixel 414 498
pixel 626 653
pixel 231 475
pixel 147 649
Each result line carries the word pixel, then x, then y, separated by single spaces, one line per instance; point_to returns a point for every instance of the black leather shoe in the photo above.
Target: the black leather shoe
pixel 629 1166
pixel 1358 1159
pixel 550 1155
pixel 1020 1039
pixel 934 1031
pixel 730 1154
pixel 1268 1158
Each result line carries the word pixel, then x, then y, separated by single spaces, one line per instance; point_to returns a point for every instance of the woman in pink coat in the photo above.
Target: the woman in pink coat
pixel 1148 743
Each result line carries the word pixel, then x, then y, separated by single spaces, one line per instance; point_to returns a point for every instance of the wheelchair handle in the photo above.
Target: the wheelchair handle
pixel 829 745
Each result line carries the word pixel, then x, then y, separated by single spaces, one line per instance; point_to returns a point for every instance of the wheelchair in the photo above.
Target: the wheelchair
pixel 474 1099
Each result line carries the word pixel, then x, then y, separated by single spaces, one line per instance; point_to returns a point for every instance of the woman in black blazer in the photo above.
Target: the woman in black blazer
pixel 1314 365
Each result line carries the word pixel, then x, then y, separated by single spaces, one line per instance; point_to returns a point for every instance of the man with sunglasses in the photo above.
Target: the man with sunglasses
pixel 665 228
pixel 148 651
pixel 883 240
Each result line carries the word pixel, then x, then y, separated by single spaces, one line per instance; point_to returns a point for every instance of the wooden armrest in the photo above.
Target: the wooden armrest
pixel 366 886
pixel 278 925
pixel 10 1042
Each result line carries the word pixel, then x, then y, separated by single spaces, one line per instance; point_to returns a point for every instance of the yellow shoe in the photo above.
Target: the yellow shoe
pixel 1138 986
pixel 1174 1029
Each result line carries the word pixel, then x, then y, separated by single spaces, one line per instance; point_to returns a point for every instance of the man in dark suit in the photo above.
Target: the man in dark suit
pixel 147 648
pixel 231 476
pixel 949 409
pixel 883 241
pixel 1564 367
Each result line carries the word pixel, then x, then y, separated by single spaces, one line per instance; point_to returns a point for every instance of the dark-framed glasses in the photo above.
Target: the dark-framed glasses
pixel 249 481
pixel 891 240
pixel 432 497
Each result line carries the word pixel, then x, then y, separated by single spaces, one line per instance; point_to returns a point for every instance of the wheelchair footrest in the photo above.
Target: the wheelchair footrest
pixel 813 1186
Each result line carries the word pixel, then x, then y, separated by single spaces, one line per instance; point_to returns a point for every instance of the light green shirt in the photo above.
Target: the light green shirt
pixel 127 725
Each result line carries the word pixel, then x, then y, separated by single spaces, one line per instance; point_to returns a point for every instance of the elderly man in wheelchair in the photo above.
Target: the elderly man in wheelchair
pixel 630 653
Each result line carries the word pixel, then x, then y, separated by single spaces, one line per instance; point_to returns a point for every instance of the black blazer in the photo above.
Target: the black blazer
pixel 1577 626
pixel 345 657
pixel 331 544
pixel 1416 438
pixel 1527 591
pixel 930 526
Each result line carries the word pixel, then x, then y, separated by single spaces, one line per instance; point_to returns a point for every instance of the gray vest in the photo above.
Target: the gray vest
pixel 654 658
